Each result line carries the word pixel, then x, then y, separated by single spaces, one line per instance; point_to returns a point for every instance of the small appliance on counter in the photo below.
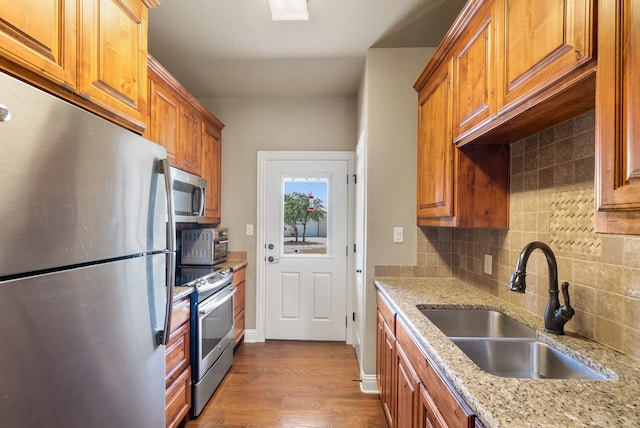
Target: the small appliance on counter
pixel 204 247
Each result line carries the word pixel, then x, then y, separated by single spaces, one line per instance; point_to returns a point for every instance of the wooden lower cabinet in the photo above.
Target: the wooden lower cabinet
pixel 408 388
pixel 418 395
pixel 178 369
pixel 238 305
pixel 386 360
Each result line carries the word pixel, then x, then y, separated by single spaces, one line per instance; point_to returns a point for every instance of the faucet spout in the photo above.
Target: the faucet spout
pixel 555 316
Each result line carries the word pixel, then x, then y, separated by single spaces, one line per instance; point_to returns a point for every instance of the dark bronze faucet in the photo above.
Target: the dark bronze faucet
pixel 555 316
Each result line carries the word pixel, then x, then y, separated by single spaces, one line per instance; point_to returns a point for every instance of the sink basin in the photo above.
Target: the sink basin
pixel 502 346
pixel 524 359
pixel 477 323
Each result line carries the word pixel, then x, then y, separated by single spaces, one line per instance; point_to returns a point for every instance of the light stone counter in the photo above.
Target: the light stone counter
pixel 510 402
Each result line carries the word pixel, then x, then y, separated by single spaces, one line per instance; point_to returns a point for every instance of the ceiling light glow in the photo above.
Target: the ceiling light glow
pixel 289 10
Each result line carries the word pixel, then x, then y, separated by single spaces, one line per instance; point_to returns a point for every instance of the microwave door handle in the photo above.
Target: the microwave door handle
pixel 198 198
pixel 164 167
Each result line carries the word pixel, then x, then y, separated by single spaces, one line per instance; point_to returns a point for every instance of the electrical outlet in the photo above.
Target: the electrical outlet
pixel 488 259
pixel 249 229
pixel 398 234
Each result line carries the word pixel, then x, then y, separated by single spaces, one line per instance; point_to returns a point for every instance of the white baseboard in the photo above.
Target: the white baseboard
pixel 250 335
pixel 368 383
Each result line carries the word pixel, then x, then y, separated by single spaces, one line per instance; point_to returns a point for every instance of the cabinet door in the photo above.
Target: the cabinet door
pixel 239 304
pixel 190 140
pixel 407 391
pixel 541 41
pixel 40 35
pixel 114 56
pixel 385 365
pixel 211 171
pixel 435 149
pixel 164 118
pixel 618 118
pixel 429 416
pixel 474 73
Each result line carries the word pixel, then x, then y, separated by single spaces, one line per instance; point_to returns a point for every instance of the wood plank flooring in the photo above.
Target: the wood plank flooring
pixel 292 384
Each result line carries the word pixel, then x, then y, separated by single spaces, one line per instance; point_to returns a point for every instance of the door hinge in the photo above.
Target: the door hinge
pixel 355 179
pixel 354 248
pixel 353 316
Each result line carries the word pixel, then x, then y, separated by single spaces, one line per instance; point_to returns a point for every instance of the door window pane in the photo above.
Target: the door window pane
pixel 305 216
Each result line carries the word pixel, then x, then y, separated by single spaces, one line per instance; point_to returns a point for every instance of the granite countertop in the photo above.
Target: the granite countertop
pixel 234 263
pixel 507 402
pixel 180 292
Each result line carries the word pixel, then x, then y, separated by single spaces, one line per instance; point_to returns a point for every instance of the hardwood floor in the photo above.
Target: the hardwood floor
pixel 292 384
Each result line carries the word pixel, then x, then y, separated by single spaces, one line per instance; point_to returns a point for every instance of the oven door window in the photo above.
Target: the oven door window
pixel 216 331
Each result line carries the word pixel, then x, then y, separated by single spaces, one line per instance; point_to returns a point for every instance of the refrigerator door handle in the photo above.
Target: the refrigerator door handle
pixel 163 335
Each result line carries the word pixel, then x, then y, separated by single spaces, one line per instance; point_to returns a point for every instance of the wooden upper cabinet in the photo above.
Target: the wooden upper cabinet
pixel 189 132
pixel 436 151
pixel 92 53
pixel 618 118
pixel 114 56
pixel 40 35
pixel 211 171
pixel 474 72
pixel 190 140
pixel 164 117
pixel 456 187
pixel 541 41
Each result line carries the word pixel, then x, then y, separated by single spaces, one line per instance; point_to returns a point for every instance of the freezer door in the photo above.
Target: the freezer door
pixel 74 188
pixel 78 347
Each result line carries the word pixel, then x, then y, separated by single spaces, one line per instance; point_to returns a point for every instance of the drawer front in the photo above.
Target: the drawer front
pixel 238 326
pixel 178 399
pixel 239 276
pixel 179 314
pixel 177 353
pixel 387 314
pixel 238 299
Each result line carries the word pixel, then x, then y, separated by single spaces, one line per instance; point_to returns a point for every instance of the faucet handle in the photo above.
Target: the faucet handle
pixel 565 312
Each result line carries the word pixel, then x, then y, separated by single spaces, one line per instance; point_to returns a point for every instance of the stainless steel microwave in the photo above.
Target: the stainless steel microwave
pixel 189 196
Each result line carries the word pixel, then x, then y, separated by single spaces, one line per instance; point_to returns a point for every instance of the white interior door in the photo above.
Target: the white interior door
pixel 306 252
pixel 360 242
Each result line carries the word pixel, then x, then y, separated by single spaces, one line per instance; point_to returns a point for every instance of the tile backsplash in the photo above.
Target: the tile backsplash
pixel 552 200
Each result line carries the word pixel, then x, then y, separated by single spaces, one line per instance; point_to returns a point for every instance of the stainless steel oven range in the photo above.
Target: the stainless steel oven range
pixel 211 329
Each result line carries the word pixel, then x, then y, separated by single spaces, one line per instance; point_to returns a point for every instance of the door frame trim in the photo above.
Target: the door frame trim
pixel 263 158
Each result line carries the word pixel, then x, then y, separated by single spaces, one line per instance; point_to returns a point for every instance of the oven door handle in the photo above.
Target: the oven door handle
pixel 222 241
pixel 217 301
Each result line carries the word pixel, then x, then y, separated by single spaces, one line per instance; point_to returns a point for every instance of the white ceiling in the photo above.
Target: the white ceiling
pixel 232 48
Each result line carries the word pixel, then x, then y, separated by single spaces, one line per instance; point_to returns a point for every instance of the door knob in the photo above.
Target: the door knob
pixel 272 259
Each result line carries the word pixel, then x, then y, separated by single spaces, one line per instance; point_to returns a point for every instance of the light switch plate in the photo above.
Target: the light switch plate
pixel 488 260
pixel 249 229
pixel 398 234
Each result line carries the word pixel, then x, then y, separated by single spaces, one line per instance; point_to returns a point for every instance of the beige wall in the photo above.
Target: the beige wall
pixel 552 200
pixel 387 109
pixel 253 124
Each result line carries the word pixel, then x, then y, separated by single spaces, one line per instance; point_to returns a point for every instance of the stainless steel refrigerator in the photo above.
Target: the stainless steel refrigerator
pixel 85 263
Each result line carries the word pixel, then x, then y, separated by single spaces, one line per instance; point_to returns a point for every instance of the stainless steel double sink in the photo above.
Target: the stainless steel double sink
pixel 503 346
